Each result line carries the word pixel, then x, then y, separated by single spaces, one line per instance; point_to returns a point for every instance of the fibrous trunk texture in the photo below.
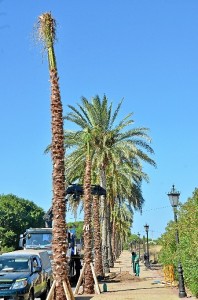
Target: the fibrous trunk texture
pixel 58 203
pixel 103 206
pixel 97 238
pixel 88 276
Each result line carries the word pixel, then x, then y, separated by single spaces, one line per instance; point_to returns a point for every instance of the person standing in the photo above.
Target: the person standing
pixel 137 265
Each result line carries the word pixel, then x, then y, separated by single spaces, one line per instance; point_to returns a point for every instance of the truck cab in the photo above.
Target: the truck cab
pixel 41 239
pixel 37 238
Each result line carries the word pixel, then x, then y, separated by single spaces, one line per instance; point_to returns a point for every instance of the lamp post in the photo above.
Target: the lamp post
pixel 146 227
pixel 139 243
pixel 174 200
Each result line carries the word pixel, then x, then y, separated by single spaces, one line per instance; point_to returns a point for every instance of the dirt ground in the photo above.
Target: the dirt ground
pixel 122 284
pixel 123 276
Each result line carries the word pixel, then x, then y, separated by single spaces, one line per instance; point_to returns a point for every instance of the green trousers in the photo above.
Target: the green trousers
pixel 137 269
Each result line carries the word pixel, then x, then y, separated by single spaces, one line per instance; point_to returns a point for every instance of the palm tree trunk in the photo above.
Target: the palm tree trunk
pixel 117 245
pixel 109 234
pixel 113 240
pixel 104 225
pixel 88 276
pixel 58 204
pixel 59 246
pixel 111 255
pixel 97 238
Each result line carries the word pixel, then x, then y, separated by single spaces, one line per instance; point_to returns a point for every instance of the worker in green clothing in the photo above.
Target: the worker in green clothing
pixel 137 265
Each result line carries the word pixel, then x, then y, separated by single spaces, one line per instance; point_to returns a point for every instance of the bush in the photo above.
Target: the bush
pixel 187 250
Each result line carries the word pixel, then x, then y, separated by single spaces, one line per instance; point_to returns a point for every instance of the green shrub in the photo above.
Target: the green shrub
pixel 187 250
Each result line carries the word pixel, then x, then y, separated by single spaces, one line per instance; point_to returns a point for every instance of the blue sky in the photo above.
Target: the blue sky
pixel 145 51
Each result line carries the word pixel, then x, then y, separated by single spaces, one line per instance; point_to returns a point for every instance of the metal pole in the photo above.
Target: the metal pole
pixel 182 292
pixel 144 246
pixel 139 243
pixel 139 248
pixel 147 245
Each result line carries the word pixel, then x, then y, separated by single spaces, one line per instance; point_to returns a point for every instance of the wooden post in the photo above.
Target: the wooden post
pixel 67 292
pixel 70 289
pixel 67 289
pixel 80 279
pixel 50 294
pixel 95 279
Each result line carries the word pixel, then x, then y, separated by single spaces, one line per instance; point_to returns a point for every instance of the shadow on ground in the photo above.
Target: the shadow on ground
pixel 136 289
pixel 83 297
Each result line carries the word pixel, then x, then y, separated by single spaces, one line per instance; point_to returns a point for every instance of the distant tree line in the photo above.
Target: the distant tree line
pixel 16 215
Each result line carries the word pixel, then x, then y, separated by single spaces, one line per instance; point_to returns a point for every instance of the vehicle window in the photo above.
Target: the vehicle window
pixel 21 265
pixel 36 263
pixel 14 264
pixel 33 239
pixel 38 239
pixel 47 239
pixel 7 264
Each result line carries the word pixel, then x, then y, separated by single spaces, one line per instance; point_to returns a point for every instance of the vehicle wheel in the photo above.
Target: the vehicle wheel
pixel 31 296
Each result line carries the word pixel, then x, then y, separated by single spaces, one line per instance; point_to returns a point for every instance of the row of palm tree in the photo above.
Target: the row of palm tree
pixel 102 152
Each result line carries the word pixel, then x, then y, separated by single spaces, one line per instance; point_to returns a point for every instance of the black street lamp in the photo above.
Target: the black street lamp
pixel 139 243
pixel 174 200
pixel 146 227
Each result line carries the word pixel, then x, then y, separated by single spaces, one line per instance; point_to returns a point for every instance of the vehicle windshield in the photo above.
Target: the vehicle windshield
pixel 41 240
pixel 14 264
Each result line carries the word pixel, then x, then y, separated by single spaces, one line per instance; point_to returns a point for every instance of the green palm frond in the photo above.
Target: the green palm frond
pixel 76 117
pixel 115 114
pixel 120 152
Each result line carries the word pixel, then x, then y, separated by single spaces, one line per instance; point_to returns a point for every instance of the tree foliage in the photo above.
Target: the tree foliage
pixel 16 215
pixel 187 250
pixel 188 223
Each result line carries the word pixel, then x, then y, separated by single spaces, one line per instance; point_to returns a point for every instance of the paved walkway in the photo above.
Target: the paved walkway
pixel 124 285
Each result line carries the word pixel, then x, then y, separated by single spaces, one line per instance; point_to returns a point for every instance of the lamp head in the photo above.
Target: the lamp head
pixel 174 197
pixel 146 227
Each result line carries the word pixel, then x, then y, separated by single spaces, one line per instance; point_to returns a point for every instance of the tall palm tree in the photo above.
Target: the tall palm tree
pixel 47 33
pixel 87 228
pixel 117 147
pixel 111 144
